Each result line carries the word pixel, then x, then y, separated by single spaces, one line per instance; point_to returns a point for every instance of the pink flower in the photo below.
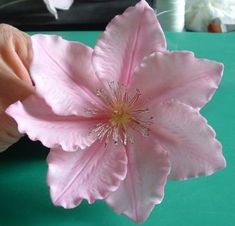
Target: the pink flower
pixel 120 119
pixel 52 5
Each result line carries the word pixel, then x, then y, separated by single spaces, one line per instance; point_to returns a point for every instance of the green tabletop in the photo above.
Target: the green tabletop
pixel 205 201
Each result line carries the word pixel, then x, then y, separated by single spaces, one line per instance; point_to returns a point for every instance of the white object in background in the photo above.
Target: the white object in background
pixel 200 13
pixel 171 14
pixel 52 5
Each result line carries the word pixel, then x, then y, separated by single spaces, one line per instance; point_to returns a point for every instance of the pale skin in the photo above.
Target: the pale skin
pixel 15 81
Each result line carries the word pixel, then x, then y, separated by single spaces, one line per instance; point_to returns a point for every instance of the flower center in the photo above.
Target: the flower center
pixel 120 116
pixel 123 115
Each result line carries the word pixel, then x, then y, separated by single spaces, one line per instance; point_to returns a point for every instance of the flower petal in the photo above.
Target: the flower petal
pixel 88 174
pixel 147 171
pixel 8 132
pixel 37 120
pixel 128 38
pixel 191 144
pixel 63 76
pixel 180 76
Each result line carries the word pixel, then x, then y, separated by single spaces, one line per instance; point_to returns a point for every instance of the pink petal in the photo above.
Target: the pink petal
pixel 128 38
pixel 180 76
pixel 62 73
pixel 191 144
pixel 148 168
pixel 8 132
pixel 88 174
pixel 37 120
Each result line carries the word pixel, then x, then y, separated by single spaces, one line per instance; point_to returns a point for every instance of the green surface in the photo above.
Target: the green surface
pixel 205 201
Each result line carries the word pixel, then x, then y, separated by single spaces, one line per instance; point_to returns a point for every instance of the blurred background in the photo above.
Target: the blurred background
pixel 174 15
pixel 82 15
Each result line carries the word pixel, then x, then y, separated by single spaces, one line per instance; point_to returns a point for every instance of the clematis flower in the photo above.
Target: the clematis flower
pixel 52 5
pixel 122 118
pixel 15 82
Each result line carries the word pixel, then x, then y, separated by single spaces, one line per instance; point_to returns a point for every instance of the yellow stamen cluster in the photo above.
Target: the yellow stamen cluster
pixel 120 116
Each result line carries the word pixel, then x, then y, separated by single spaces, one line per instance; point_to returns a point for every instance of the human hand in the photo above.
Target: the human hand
pixel 15 81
